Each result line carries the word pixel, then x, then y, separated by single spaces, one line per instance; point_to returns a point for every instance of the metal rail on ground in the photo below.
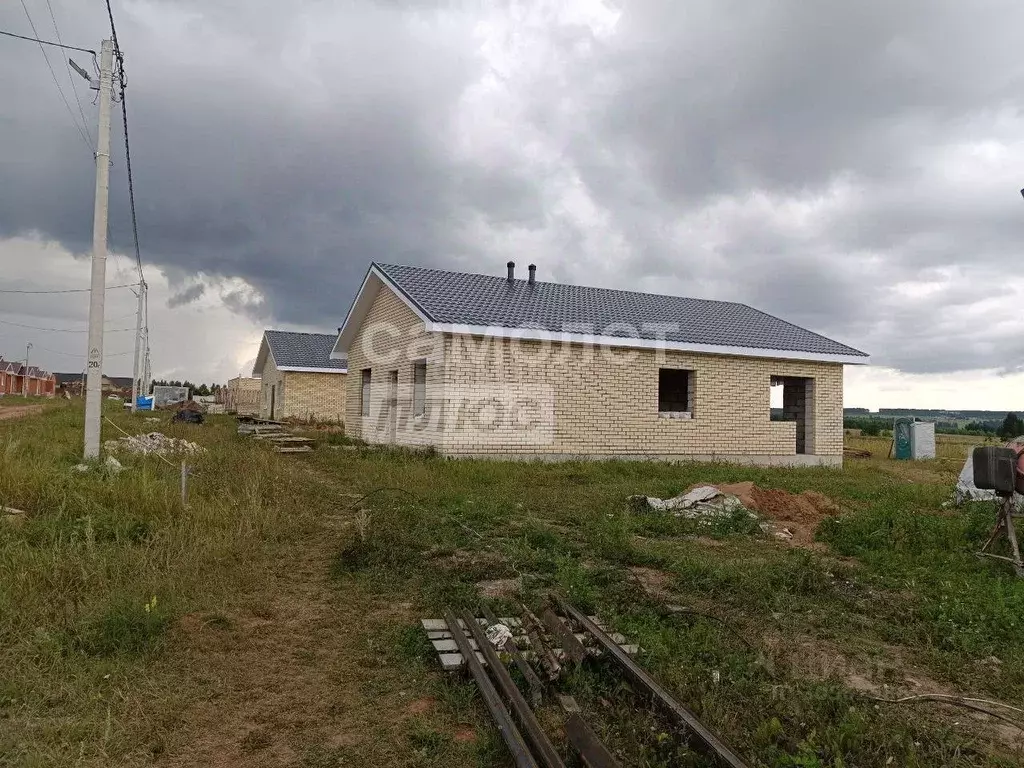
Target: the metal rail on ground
pixel 536 688
pixel 502 719
pixel 534 732
pixel 705 739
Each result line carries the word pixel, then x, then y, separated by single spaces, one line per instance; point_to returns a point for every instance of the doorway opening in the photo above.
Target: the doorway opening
pixel 792 399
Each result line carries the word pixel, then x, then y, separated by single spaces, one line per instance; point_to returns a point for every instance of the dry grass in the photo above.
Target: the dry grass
pixel 283 630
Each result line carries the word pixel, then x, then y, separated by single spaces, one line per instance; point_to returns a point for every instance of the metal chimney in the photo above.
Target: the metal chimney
pixel 511 271
pixel 533 273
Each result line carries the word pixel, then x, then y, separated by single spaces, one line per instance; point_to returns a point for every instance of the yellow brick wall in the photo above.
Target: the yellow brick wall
pixel 389 341
pixel 315 396
pixel 243 396
pixel 303 396
pixel 604 402
pixel 271 378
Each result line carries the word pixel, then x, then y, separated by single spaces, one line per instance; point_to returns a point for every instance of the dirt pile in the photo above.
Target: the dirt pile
pixel 794 517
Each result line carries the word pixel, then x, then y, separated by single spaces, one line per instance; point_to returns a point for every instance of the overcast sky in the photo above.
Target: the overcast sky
pixel 852 167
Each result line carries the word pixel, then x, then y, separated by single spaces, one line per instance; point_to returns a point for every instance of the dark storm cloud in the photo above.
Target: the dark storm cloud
pixel 871 103
pixel 821 161
pixel 288 160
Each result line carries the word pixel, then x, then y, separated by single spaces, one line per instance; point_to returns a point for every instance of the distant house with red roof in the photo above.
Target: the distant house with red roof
pixel 18 379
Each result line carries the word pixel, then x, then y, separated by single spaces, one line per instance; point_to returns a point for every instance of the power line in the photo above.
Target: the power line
pixel 71 80
pixel 63 330
pixel 47 42
pixel 78 354
pixel 122 81
pixel 70 290
pixel 53 74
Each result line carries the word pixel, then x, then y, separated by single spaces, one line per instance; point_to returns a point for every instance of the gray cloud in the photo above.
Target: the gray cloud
pixel 186 296
pixel 817 160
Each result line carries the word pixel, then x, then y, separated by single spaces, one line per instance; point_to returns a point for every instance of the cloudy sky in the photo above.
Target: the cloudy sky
pixel 852 167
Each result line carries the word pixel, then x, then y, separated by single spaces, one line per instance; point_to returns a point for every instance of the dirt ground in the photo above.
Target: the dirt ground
pixel 296 676
pixel 17 411
pixel 795 516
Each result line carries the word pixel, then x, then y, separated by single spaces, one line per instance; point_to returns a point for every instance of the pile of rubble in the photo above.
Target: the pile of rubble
pixel 154 443
pixel 792 517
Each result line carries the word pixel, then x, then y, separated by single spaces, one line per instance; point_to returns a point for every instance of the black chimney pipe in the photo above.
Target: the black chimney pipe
pixel 533 273
pixel 511 271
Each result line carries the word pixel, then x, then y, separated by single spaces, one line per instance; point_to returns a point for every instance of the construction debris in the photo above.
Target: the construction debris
pixel 189 412
pixel 790 517
pixel 153 443
pixel 704 503
pixel 470 640
pixel 499 635
pixel 275 433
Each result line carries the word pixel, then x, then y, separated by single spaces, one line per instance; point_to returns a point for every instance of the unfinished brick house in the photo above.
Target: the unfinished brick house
pixel 243 396
pixel 477 365
pixel 299 379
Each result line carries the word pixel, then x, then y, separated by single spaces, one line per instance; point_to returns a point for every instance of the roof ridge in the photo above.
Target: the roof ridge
pixel 566 285
pixel 301 333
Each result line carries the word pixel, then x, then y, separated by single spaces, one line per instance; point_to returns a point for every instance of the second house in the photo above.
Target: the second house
pixel 298 378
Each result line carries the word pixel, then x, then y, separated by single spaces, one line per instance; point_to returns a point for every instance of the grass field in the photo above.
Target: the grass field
pixel 273 621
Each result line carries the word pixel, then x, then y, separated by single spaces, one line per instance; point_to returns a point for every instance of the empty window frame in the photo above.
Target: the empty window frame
pixel 364 393
pixel 675 390
pixel 419 387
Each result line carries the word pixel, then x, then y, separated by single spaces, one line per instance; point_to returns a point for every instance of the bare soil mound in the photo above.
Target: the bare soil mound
pixel 796 516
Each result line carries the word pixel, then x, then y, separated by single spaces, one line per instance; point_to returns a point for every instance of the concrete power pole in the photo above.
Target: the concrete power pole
pixel 98 285
pixel 138 347
pixel 24 379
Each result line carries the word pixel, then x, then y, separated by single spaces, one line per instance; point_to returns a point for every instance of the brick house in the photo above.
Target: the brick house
pixel 242 396
pixel 19 379
pixel 10 377
pixel 475 365
pixel 298 377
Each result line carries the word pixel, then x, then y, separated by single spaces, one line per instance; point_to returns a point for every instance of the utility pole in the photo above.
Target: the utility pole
pixel 94 376
pixel 24 379
pixel 138 347
pixel 146 372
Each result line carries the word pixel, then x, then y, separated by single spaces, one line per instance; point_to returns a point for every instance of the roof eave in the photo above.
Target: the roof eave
pixel 305 369
pixel 261 357
pixel 536 334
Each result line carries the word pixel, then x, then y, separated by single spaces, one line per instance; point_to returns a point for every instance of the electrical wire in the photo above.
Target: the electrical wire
pixel 78 354
pixel 122 81
pixel 69 290
pixel 47 42
pixel 71 80
pixel 63 330
pixel 53 74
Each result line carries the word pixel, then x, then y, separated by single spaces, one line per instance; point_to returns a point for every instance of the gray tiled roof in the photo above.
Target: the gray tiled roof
pixel 466 299
pixel 303 350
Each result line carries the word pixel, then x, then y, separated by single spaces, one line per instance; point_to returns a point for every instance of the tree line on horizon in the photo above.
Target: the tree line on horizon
pixel 1009 427
pixel 201 390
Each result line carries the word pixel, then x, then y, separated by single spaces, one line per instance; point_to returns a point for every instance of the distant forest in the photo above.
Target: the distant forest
pixel 981 423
